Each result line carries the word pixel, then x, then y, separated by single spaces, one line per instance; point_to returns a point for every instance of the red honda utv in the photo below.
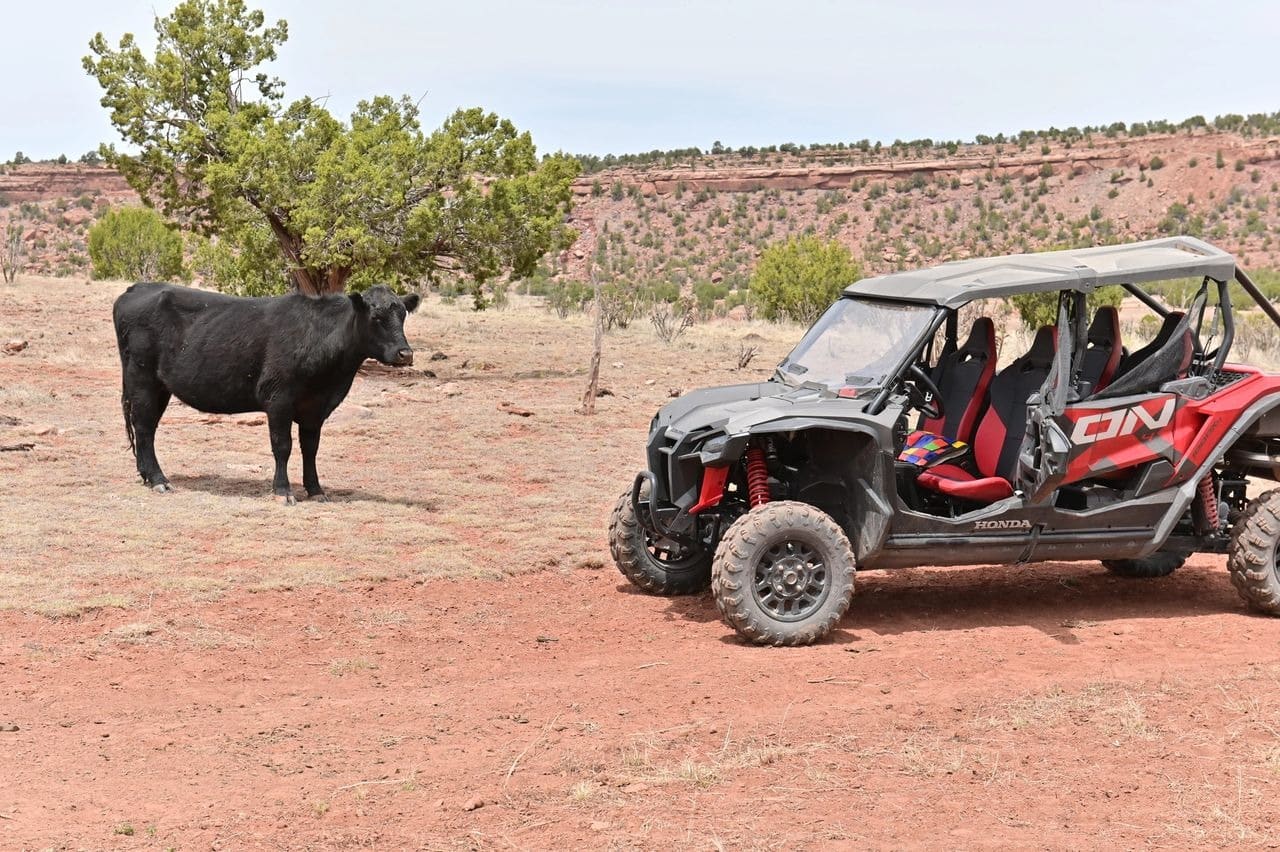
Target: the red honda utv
pixel 891 436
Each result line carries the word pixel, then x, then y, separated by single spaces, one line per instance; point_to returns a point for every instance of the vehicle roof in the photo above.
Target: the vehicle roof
pixel 959 282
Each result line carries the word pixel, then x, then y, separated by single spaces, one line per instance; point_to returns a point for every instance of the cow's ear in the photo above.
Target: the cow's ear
pixel 358 301
pixel 411 302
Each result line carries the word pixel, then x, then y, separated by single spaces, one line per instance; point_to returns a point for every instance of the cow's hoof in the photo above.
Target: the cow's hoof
pixel 318 498
pixel 162 488
pixel 285 499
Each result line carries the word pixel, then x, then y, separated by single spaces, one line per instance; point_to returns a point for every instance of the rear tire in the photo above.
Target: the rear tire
pixel 1162 563
pixel 662 567
pixel 1252 557
pixel 783 574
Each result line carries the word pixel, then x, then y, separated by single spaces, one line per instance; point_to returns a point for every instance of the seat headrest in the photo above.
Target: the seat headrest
pixel 982 339
pixel 1167 328
pixel 1104 331
pixel 1043 347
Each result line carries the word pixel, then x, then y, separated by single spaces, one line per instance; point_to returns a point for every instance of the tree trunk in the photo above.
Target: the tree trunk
pixel 307 281
pixel 304 282
pixel 336 279
pixel 593 381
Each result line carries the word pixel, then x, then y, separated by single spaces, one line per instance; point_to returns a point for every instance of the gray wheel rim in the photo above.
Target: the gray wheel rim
pixel 792 580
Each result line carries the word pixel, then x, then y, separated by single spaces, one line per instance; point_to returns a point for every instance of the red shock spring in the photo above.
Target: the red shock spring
pixel 757 477
pixel 1209 499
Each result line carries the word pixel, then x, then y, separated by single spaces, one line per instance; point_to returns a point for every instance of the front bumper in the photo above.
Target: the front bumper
pixel 660 521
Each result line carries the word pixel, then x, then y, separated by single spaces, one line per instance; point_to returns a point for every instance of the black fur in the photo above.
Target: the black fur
pixel 293 357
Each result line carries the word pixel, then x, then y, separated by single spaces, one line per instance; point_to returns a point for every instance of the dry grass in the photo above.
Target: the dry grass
pixel 424 484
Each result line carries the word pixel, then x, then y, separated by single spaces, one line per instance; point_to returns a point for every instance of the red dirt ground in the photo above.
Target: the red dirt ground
pixel 551 706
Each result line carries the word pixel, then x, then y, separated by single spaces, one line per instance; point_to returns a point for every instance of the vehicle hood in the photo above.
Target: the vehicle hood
pixel 759 407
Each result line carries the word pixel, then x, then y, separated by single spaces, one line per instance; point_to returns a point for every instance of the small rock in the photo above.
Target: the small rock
pixel 8 727
pixel 450 389
pixel 348 413
pixel 603 392
pixel 473 804
pixel 511 408
pixel 438 356
pixel 650 381
pixel 674 392
pixel 618 365
pixel 13 347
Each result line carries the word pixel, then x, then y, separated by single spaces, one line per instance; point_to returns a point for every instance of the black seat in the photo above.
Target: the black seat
pixel 963 377
pixel 1167 327
pixel 999 436
pixel 1103 355
pixel 1164 359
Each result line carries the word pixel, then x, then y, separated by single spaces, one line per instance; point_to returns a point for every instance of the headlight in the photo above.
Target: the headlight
pixel 713 450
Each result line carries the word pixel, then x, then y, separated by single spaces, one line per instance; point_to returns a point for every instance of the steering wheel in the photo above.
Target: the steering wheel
pixel 924 394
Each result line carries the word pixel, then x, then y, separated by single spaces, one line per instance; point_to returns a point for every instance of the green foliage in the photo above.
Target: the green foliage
pixel 800 278
pixel 1041 309
pixel 133 243
pixel 373 198
pixel 1156 163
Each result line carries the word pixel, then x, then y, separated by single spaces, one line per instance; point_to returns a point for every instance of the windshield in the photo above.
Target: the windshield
pixel 856 342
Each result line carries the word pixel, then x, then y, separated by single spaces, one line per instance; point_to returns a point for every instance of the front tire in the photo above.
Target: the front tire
pixel 659 566
pixel 783 574
pixel 1255 545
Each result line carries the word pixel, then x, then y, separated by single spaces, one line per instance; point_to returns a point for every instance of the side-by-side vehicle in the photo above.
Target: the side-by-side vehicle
pixel 891 437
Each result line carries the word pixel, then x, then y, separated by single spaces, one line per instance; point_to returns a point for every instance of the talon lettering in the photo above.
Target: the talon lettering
pixel 1106 425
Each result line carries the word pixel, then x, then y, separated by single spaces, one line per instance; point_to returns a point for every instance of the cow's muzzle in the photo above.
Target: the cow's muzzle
pixel 404 358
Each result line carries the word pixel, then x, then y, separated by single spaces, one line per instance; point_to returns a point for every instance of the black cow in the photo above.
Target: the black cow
pixel 293 357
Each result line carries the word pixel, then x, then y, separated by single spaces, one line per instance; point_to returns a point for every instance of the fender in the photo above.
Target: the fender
pixel 1264 391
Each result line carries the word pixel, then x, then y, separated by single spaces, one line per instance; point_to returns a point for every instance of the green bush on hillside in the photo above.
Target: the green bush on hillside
pixel 798 279
pixel 1041 309
pixel 134 243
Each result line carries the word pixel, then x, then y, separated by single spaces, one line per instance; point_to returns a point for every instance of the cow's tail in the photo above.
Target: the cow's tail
pixel 127 408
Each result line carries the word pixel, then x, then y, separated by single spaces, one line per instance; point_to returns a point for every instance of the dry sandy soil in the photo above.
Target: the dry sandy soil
pixel 443 658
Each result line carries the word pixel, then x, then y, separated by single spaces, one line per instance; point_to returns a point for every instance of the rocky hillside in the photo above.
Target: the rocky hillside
pixel 53 206
pixel 708 218
pixel 704 218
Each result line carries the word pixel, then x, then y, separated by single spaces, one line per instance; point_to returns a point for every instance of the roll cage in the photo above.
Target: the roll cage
pixel 1074 281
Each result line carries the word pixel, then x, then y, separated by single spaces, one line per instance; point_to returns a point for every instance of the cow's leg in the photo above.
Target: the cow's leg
pixel 145 402
pixel 309 440
pixel 280 424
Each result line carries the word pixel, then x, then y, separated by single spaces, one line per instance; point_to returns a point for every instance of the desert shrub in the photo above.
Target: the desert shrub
pixel 798 279
pixel 671 319
pixel 620 304
pixel 241 271
pixel 706 294
pixel 1040 309
pixel 135 243
pixel 567 297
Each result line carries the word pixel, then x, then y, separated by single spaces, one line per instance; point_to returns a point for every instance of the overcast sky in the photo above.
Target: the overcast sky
pixel 600 76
